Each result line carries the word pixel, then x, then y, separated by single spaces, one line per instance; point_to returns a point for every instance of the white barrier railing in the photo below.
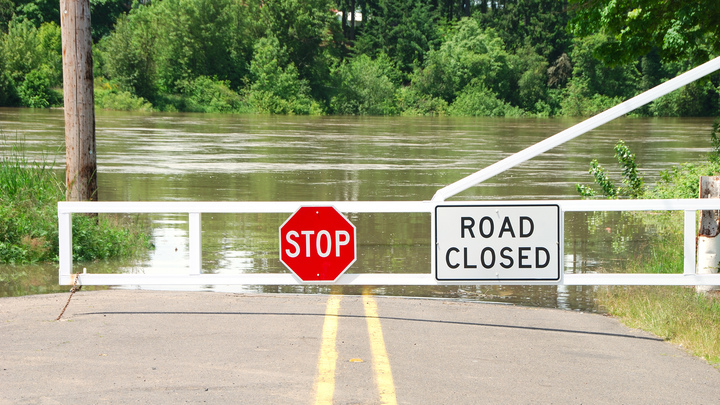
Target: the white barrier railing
pixel 196 209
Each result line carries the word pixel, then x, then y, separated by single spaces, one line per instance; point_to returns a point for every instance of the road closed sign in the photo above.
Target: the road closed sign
pixel 497 243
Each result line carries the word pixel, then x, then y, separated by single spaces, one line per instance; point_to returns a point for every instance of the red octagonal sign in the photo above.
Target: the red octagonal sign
pixel 317 243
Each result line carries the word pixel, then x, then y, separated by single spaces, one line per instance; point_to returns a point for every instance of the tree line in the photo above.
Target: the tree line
pixel 370 57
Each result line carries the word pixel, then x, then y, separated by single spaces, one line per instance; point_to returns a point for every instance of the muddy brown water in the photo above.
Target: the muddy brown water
pixel 208 157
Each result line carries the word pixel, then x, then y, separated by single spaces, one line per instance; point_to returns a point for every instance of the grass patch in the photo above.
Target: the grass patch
pixel 677 314
pixel 29 192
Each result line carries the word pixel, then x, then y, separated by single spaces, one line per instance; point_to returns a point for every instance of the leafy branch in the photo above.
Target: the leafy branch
pixel 633 185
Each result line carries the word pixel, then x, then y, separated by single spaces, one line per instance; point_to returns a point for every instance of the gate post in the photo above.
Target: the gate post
pixel 708 243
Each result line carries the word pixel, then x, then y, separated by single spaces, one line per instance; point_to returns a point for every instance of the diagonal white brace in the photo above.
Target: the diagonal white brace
pixel 577 130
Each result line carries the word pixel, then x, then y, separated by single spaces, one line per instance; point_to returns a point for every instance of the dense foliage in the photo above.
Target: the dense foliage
pixel 379 57
pixel 29 192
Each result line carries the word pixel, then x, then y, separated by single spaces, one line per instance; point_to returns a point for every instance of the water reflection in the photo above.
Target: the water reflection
pixel 180 157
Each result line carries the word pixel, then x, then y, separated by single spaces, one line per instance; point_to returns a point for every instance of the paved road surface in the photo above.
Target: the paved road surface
pixel 127 346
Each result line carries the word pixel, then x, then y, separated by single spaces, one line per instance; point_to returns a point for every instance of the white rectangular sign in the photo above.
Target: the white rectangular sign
pixel 498 243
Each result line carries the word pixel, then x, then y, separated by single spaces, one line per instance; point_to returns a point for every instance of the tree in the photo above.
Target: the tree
pixel 468 54
pixel 349 23
pixel 595 86
pixel 404 30
pixel 203 38
pixel 129 53
pixel 597 78
pixel 31 64
pixel 677 29
pixel 456 9
pixel 104 13
pixel 38 11
pixel 308 30
pixel 7 9
pixel 276 86
pixel 365 87
pixel 663 38
pixel 157 46
pixel 539 24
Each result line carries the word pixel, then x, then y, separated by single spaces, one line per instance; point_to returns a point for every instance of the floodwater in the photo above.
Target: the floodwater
pixel 207 157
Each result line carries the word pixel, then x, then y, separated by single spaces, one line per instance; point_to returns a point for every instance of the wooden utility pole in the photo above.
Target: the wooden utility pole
pixel 81 163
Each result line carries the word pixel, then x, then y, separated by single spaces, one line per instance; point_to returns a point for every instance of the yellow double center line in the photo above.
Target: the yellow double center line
pixel 325 382
pixel 381 363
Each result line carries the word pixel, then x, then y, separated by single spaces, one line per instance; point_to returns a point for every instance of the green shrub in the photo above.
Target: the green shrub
pixel 683 181
pixel 364 87
pixel 109 96
pixel 204 94
pixel 31 65
pixel 469 54
pixel 105 237
pixel 477 100
pixel 276 85
pixel 677 182
pixel 35 90
pixel 8 92
pixel 411 102
pixel 577 101
pixel 633 185
pixel 27 225
pixel 120 101
pixel 128 55
pixel 29 192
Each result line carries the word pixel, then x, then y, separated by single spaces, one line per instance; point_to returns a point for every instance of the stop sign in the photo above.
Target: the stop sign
pixel 317 243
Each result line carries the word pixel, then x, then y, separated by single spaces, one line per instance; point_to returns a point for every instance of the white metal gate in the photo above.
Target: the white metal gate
pixel 194 210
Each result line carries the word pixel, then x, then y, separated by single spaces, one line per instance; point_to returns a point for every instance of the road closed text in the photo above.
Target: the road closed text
pixel 497 242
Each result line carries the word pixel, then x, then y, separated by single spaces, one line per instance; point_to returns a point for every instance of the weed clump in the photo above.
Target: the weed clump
pixel 29 192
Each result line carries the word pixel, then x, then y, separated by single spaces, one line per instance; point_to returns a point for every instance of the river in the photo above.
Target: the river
pixel 208 157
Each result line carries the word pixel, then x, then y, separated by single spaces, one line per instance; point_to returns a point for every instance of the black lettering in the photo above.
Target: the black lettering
pixel 447 258
pixel 537 258
pixel 504 256
pixel 522 257
pixel 492 256
pixel 468 266
pixel 482 227
pixel 530 231
pixel 506 227
pixel 465 225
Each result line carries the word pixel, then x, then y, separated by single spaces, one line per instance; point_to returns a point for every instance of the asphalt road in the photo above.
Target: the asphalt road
pixel 131 346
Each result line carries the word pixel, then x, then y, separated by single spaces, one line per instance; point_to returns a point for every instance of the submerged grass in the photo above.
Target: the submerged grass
pixel 678 314
pixel 29 192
